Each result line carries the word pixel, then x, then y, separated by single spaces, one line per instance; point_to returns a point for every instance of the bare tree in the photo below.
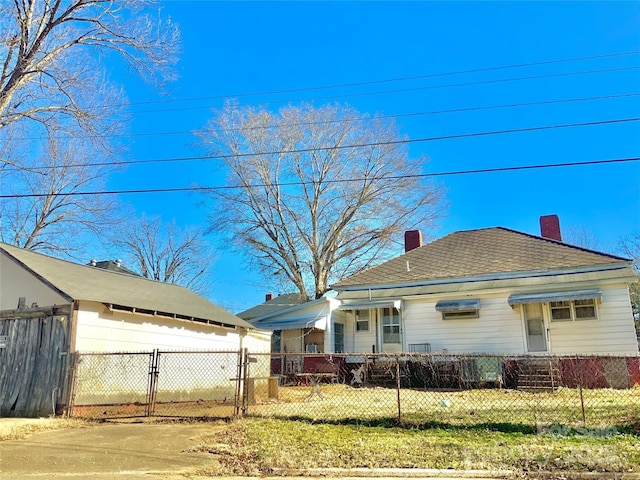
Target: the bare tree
pixel 322 194
pixel 41 210
pixel 165 253
pixel 581 236
pixel 50 53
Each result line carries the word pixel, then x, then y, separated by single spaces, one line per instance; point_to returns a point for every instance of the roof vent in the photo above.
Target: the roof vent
pixel 550 227
pixel 93 263
pixel 118 262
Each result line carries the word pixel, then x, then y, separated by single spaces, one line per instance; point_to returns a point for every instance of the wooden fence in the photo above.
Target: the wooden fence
pixel 34 347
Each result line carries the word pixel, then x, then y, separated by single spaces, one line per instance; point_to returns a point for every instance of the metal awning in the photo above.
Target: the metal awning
pixel 463 305
pixel 367 305
pixel 543 297
pixel 293 323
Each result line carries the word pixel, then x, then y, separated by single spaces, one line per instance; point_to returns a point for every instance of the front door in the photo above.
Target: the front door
pixel 534 327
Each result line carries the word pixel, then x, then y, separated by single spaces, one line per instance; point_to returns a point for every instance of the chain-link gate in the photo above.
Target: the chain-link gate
pixel 157 383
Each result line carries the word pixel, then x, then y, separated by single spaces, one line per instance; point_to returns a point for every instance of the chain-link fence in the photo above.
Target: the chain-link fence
pixel 419 389
pixel 411 388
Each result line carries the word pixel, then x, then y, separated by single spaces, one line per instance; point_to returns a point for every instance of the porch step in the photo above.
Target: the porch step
pixel 538 376
pixel 382 374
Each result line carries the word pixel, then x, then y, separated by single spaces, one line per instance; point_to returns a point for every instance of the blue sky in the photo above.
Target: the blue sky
pixel 230 49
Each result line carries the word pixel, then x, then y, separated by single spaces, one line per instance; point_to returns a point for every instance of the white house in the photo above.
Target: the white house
pixel 492 290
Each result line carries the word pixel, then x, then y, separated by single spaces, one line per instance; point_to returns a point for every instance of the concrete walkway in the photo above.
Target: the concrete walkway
pixel 105 451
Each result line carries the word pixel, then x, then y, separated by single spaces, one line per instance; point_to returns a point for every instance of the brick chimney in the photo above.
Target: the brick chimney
pixel 412 240
pixel 550 227
pixel 268 296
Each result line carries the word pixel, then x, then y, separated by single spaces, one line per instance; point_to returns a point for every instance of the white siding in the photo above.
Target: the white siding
pixel 499 328
pixel 99 330
pixel 16 282
pixel 612 333
pixel 358 342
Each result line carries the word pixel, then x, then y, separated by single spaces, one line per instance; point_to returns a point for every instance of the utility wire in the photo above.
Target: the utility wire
pixel 355 119
pixel 402 90
pixel 345 180
pixel 340 147
pixel 388 80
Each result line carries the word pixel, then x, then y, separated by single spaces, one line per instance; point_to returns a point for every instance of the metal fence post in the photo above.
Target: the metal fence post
pixel 152 389
pixel 580 382
pixel 238 379
pixel 245 384
pixel 72 373
pixel 398 387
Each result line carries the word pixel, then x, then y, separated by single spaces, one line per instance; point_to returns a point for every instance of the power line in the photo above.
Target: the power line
pixel 403 90
pixel 340 147
pixel 389 80
pixel 358 119
pixel 346 180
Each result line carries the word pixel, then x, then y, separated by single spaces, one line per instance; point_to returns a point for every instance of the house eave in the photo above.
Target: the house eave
pixel 293 308
pixel 175 316
pixel 489 277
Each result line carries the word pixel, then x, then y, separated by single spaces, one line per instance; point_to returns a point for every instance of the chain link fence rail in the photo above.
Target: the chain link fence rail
pixel 410 388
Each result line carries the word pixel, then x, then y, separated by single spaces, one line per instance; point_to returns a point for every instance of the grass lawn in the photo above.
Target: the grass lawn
pixel 603 408
pixel 254 446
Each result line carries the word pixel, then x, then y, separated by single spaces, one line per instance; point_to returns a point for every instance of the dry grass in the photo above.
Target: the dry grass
pixel 17 428
pixel 602 408
pixel 259 446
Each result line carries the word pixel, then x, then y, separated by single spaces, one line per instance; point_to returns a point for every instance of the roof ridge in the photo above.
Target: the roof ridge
pixel 565 244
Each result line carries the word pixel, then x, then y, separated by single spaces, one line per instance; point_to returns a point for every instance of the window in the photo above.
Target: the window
pixel 362 320
pixel 338 338
pixel 276 341
pixel 390 325
pixel 460 314
pixel 568 311
pixel 459 309
pixel 585 309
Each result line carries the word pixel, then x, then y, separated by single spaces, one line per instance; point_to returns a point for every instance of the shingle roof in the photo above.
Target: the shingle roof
pixel 274 305
pixel 478 252
pixel 82 282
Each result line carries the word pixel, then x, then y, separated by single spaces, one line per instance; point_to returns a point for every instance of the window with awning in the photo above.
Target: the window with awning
pixel 555 296
pixel 463 308
pixel 564 305
pixel 369 305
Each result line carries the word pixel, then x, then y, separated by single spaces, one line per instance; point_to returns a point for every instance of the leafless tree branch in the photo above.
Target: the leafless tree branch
pixel 319 230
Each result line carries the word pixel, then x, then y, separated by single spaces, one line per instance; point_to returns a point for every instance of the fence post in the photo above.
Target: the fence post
pixel 398 387
pixel 580 377
pixel 236 401
pixel 72 379
pixel 152 388
pixel 245 384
